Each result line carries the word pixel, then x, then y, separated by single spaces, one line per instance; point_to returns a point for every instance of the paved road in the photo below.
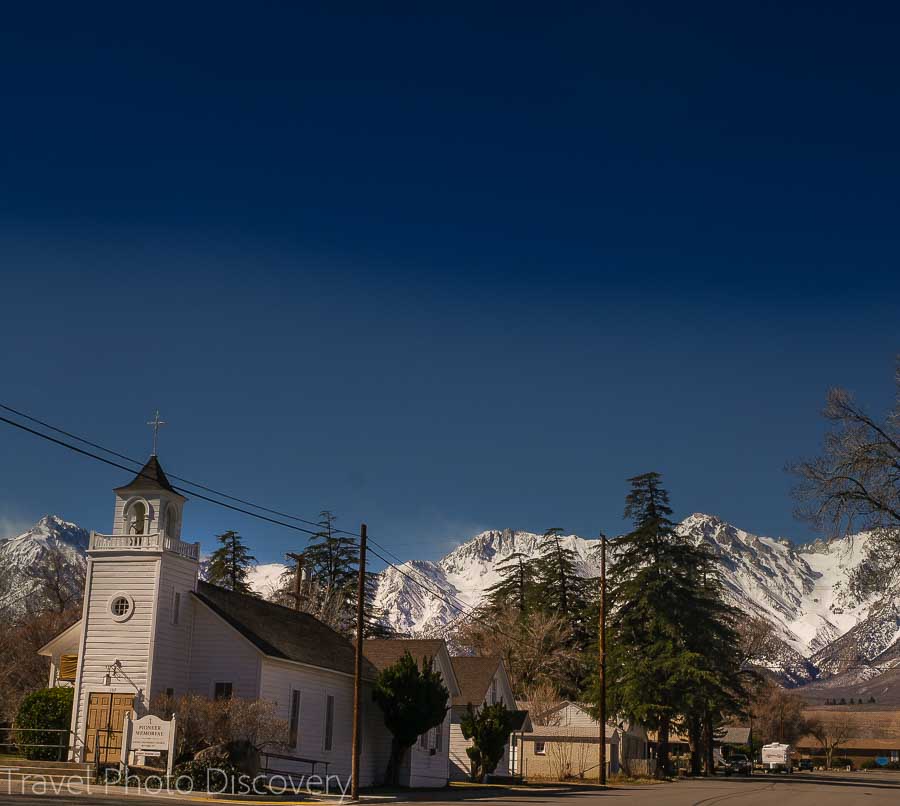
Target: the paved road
pixel 806 789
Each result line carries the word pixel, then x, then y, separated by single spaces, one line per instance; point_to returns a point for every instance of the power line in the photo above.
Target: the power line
pixel 454 602
pixel 464 610
pixel 146 475
pixel 182 479
pixel 219 493
pixel 460 604
pixel 136 462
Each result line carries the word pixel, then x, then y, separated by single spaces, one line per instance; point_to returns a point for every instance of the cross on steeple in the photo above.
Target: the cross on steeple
pixel 156 423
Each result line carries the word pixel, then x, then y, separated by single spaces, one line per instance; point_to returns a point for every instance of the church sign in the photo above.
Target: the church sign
pixel 150 733
pixel 147 737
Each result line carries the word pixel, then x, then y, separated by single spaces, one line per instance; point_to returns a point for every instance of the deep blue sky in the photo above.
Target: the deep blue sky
pixel 444 271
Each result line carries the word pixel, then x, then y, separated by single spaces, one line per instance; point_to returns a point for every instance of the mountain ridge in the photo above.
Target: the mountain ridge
pixel 818 630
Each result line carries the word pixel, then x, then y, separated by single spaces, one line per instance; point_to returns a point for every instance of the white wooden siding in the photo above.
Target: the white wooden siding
pixel 106 640
pixel 426 769
pixel 172 642
pixel 460 765
pixel 574 716
pixel 279 678
pixel 221 654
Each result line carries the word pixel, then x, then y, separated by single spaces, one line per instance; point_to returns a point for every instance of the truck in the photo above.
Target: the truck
pixel 776 757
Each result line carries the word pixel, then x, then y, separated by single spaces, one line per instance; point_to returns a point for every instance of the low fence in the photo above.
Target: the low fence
pixel 45 744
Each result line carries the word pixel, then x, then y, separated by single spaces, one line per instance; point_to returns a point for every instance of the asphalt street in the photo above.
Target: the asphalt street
pixel 832 789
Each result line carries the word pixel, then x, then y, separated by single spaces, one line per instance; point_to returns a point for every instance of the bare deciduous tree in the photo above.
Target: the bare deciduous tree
pixel 534 651
pixel 778 715
pixel 832 731
pixel 59 583
pixel 203 722
pixel 756 635
pixel 543 703
pixel 22 670
pixel 855 484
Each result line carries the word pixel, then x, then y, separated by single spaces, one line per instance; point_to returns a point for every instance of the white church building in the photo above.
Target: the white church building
pixel 150 626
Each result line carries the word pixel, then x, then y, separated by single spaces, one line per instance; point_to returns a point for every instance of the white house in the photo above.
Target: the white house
pixel 149 626
pixel 482 681
pixel 427 763
pixel 565 742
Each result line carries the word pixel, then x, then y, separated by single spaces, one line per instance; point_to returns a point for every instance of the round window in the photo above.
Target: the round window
pixel 121 606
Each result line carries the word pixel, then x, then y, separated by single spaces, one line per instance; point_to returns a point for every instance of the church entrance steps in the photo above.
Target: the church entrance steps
pixel 14 770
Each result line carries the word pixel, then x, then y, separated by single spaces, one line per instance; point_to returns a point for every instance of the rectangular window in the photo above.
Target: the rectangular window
pixel 176 607
pixel 423 741
pixel 295 718
pixel 329 722
pixel 222 691
pixel 439 738
pixel 540 749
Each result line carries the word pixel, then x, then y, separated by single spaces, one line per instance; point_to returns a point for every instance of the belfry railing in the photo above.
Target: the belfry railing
pixel 155 541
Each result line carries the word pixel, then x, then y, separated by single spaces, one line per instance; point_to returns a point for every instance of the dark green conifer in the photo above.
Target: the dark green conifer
pixel 229 564
pixel 653 664
pixel 517 586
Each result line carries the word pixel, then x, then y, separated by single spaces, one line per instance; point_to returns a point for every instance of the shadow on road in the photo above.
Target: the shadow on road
pixel 553 792
pixel 869 780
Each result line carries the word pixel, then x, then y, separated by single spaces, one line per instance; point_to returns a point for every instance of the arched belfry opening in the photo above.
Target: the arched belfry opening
pixel 137 516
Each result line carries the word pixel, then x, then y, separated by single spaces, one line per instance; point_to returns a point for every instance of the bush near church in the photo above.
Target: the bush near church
pixel 44 718
pixel 211 772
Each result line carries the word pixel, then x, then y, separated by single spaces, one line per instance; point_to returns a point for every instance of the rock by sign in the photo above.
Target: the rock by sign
pixel 150 733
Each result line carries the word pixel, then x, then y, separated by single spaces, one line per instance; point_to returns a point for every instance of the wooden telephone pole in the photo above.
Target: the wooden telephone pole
pixel 298 576
pixel 357 671
pixel 601 710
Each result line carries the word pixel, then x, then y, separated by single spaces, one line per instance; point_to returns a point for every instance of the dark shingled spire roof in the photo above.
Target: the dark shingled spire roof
pixel 151 477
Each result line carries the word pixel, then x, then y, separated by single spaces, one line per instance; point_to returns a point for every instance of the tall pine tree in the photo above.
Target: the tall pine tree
pixel 331 572
pixel 652 665
pixel 722 688
pixel 230 563
pixel 564 593
pixel 517 586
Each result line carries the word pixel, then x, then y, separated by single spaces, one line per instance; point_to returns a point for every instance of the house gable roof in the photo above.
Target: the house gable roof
pixel 384 652
pixel 69 637
pixel 150 477
pixel 281 633
pixel 474 675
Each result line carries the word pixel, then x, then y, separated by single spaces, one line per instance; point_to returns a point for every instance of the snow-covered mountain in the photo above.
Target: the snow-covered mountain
pixel 820 631
pixel 800 590
pixel 20 556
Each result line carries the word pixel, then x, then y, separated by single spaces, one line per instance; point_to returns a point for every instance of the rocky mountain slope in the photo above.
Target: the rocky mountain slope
pixel 819 631
pixel 23 555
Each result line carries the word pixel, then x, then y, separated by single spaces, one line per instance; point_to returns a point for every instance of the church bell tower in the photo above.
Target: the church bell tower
pixel 136 624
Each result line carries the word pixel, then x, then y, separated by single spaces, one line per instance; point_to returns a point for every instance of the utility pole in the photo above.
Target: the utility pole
pixel 752 754
pixel 357 671
pixel 298 576
pixel 602 648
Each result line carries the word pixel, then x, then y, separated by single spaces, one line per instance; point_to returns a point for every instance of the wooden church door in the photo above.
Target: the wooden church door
pixel 105 721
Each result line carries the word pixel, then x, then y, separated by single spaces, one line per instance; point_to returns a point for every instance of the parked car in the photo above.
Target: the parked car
pixel 738 764
pixel 805 764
